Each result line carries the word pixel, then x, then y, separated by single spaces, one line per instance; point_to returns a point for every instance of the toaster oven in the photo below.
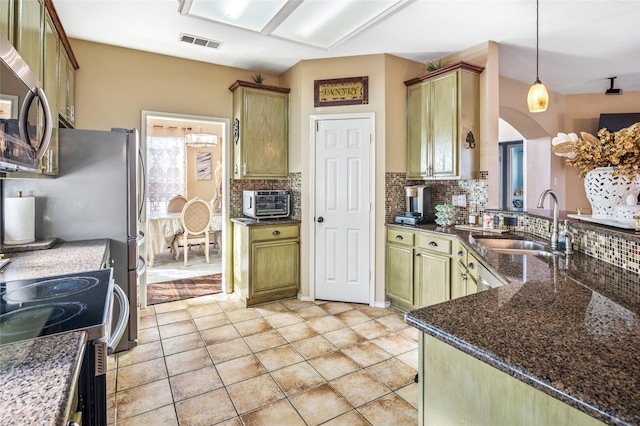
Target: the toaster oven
pixel 265 204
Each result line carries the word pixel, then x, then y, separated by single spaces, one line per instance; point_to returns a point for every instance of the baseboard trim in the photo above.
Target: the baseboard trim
pixel 305 298
pixel 384 304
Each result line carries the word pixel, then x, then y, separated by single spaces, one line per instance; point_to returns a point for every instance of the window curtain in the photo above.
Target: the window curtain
pixel 165 171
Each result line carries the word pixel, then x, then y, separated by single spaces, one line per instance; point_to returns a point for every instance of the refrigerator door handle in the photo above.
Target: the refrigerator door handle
pixel 142 266
pixel 142 184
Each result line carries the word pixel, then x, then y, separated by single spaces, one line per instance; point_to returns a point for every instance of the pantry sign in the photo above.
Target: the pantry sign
pixel 341 91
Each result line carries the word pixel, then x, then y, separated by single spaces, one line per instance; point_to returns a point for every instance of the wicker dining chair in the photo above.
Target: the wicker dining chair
pixel 196 219
pixel 176 204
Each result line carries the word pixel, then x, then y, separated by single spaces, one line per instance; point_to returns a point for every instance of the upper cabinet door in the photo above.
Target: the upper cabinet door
pixel 29 33
pixel 444 122
pixel 417 137
pixel 260 131
pixel 6 19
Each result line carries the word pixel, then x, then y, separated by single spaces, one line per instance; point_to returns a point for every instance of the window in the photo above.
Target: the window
pixel 165 171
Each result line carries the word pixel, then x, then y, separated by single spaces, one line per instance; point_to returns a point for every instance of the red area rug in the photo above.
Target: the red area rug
pixel 187 288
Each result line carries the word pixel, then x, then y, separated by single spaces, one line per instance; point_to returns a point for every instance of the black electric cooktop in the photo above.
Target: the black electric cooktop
pixel 50 305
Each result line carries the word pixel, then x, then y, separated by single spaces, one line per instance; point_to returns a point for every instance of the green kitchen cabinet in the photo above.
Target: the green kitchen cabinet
pixel 6 19
pixel 399 271
pixel 49 162
pixel 260 131
pixel 66 89
pixel 458 389
pixel 418 268
pixel 464 278
pixel 29 26
pixel 266 262
pixel 433 269
pixel 443 124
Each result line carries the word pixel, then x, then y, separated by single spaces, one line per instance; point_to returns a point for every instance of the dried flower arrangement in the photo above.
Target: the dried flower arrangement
pixel 610 149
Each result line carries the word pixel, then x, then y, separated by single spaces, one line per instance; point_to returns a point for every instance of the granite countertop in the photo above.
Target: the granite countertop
pixel 62 258
pixel 566 325
pixel 36 378
pixel 36 375
pixel 246 221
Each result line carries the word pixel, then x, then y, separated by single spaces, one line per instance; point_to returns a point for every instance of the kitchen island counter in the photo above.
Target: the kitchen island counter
pixel 62 258
pixel 38 378
pixel 569 327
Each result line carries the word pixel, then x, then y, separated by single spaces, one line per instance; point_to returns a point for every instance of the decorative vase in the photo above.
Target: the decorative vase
pixel 606 191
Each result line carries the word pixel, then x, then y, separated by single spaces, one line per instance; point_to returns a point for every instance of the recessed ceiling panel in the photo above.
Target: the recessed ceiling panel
pixel 325 23
pixel 248 14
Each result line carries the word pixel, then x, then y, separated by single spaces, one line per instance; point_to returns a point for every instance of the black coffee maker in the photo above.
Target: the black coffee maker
pixel 418 205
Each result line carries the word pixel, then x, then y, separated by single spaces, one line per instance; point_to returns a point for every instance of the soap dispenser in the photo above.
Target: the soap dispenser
pixel 565 239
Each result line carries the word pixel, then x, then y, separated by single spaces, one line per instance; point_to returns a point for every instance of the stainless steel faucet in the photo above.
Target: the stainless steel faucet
pixel 554 231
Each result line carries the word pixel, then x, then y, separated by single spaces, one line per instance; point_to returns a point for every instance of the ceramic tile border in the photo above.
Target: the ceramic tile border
pixel 293 184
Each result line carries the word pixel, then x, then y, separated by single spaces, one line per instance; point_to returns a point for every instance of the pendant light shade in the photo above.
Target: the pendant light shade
pixel 200 139
pixel 538 97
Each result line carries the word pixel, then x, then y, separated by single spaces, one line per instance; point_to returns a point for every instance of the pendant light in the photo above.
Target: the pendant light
pixel 538 97
pixel 200 139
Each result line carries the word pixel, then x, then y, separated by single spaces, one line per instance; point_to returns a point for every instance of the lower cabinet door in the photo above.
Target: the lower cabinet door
pixel 433 278
pixel 400 286
pixel 274 267
pixel 458 280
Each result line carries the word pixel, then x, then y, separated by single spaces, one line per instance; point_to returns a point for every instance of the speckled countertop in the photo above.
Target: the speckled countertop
pixel 246 221
pixel 36 374
pixel 567 326
pixel 36 377
pixel 62 258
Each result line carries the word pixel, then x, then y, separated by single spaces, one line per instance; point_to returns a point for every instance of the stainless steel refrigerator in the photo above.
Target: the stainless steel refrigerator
pixel 99 193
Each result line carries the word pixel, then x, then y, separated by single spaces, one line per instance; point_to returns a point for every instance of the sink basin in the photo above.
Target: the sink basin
pixel 512 246
pixel 509 244
pixel 524 252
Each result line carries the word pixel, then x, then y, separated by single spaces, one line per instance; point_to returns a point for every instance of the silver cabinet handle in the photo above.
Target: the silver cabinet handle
pixel 123 319
pixel 275 233
pixel 433 244
pixel 460 253
pixel 399 237
pixel 471 266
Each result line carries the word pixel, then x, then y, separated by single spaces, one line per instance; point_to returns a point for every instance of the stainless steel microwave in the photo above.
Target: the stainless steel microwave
pixel 265 204
pixel 25 117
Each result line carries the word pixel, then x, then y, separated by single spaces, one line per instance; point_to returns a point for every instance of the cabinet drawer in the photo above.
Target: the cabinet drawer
pixel 399 236
pixel 261 233
pixel 472 266
pixel 461 254
pixel 434 244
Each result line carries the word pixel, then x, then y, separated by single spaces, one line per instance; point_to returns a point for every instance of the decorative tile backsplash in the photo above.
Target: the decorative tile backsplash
pixel 441 193
pixel 293 184
pixel 617 248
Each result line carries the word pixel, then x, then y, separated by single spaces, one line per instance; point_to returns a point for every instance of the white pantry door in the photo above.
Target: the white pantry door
pixel 343 149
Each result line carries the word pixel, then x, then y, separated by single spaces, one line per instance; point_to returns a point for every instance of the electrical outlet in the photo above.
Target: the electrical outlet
pixel 454 200
pixel 462 200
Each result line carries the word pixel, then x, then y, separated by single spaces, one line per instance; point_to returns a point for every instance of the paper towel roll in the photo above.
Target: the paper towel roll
pixel 19 220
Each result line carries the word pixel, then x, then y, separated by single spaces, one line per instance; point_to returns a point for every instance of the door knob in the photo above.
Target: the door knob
pixel 320 219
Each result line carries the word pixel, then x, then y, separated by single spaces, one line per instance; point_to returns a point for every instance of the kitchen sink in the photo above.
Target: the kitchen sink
pixel 509 244
pixel 513 246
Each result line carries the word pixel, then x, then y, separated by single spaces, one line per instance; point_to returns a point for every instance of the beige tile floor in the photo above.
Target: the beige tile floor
pixel 210 361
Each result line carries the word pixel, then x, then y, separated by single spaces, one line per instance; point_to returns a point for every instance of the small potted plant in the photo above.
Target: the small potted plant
pixel 258 78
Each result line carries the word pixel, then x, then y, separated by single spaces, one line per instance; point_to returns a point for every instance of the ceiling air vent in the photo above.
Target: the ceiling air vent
pixel 200 41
